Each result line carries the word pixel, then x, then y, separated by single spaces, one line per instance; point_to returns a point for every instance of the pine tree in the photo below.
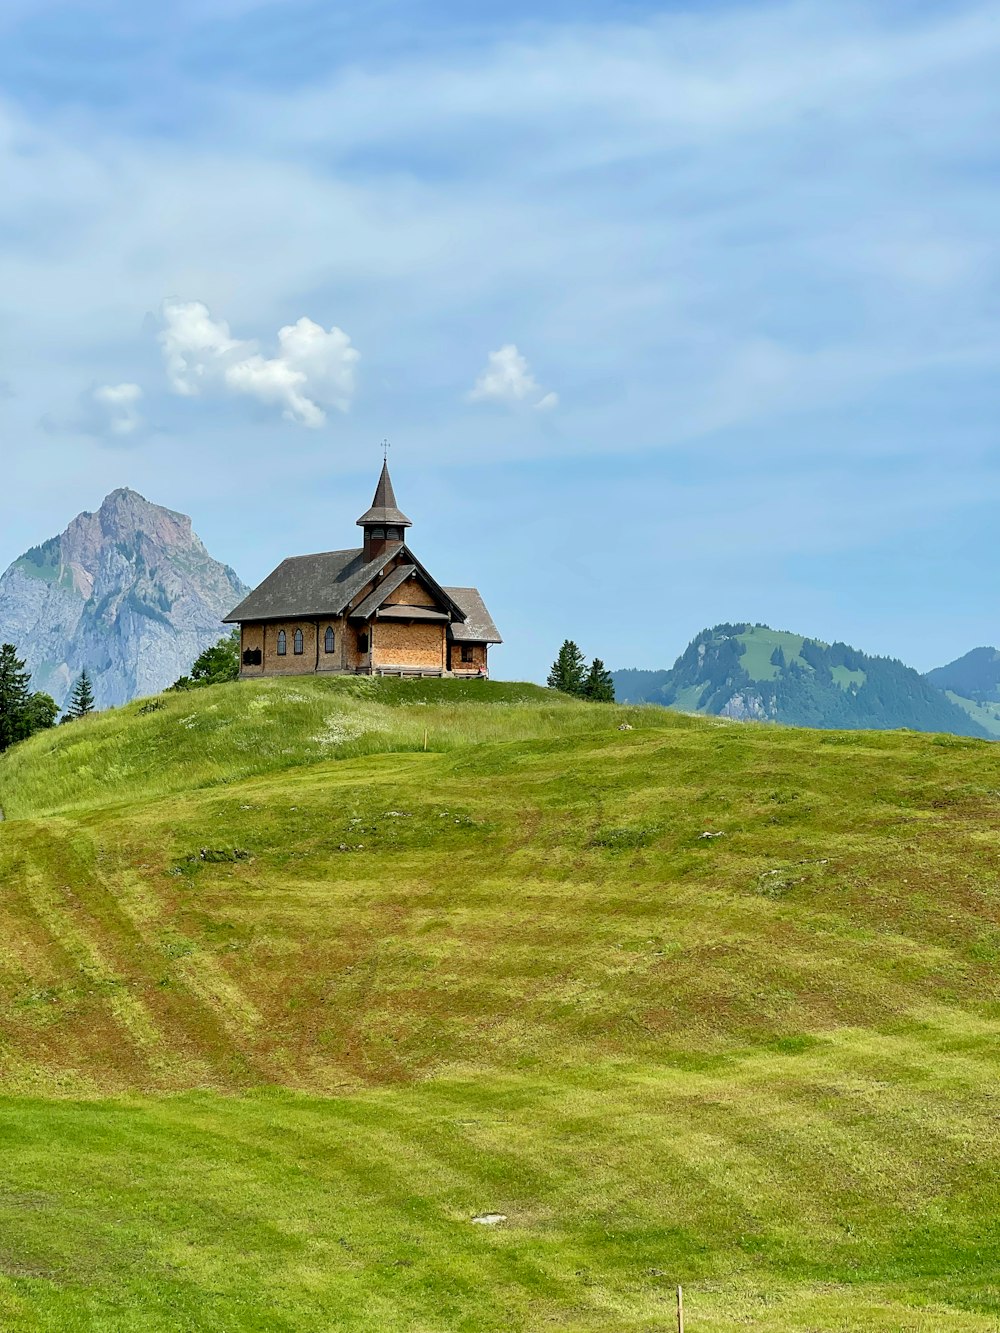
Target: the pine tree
pixel 81 701
pixel 567 670
pixel 14 697
pixel 598 685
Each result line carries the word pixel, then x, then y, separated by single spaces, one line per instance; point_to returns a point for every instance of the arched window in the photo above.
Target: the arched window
pixel 330 640
pixel 298 642
pixel 282 643
pixel 392 534
pixel 378 534
pixel 362 643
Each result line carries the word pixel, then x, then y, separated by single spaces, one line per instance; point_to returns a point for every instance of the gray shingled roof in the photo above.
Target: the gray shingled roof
pixel 384 509
pixel 309 585
pixel 479 626
pixel 313 586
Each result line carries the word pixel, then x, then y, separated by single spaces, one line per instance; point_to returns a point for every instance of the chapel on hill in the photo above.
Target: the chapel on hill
pixel 371 610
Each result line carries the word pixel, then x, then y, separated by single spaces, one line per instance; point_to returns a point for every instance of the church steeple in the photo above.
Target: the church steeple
pixel 383 524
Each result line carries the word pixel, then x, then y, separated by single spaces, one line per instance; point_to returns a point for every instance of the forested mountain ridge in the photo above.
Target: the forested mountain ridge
pixel 748 671
pixel 973 683
pixel 128 593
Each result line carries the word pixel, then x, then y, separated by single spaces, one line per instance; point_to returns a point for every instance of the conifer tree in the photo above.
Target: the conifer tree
pixel 81 701
pixel 567 672
pixel 14 697
pixel 598 685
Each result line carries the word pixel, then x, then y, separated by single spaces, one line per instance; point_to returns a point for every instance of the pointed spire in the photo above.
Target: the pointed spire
pixel 384 509
pixel 385 496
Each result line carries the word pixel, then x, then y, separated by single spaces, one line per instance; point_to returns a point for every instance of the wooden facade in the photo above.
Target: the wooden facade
pixel 370 610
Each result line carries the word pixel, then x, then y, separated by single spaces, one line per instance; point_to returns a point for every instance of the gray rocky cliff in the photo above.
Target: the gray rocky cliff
pixel 130 593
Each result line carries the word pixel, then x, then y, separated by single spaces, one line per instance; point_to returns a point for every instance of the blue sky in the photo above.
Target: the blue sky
pixel 673 314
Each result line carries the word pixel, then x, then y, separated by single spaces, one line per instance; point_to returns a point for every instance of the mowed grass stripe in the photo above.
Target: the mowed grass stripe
pixel 505 972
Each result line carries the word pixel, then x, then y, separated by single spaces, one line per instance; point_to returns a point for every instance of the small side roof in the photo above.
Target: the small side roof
pixel 478 626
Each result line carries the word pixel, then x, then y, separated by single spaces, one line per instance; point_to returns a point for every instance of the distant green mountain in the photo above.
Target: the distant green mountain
pixel 752 672
pixel 973 683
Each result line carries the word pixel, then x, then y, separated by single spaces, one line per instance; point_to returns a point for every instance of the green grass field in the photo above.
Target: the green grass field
pixel 298 978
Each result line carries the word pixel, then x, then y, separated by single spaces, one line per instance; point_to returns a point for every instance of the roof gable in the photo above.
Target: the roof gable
pixel 325 584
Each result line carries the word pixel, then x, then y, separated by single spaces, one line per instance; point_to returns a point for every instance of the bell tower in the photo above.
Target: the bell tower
pixel 384 524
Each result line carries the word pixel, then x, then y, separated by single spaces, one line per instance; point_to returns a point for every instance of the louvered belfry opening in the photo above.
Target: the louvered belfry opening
pixel 385 523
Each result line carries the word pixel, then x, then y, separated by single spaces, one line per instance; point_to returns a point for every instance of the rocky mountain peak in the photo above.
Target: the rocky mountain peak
pixel 128 591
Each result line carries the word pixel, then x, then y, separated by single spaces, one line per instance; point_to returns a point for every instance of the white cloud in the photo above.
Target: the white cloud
pixel 313 369
pixel 196 347
pixel 508 379
pixel 118 404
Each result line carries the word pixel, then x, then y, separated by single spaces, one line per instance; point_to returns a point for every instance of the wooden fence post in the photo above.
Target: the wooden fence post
pixel 680 1309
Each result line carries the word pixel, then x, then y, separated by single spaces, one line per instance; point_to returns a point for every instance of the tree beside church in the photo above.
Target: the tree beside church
pixel 571 675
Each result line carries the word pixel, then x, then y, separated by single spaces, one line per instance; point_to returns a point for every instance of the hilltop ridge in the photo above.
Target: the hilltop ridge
pixel 677 1000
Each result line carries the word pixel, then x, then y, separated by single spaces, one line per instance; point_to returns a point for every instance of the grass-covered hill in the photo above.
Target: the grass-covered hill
pixel 973 683
pixel 297 979
pixel 754 672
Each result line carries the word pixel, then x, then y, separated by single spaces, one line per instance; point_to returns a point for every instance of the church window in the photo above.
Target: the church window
pixel 467 655
pixel 282 643
pixel 298 641
pixel 330 640
pixel 362 643
pixel 378 534
pixel 393 534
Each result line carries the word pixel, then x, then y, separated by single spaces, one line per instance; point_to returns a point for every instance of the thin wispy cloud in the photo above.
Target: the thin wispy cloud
pixel 508 379
pixel 119 404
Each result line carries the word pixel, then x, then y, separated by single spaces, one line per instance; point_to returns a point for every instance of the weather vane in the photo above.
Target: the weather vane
pixel 386 446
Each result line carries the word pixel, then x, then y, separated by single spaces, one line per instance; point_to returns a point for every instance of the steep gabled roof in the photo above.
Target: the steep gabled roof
pixel 309 585
pixel 384 509
pixel 478 626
